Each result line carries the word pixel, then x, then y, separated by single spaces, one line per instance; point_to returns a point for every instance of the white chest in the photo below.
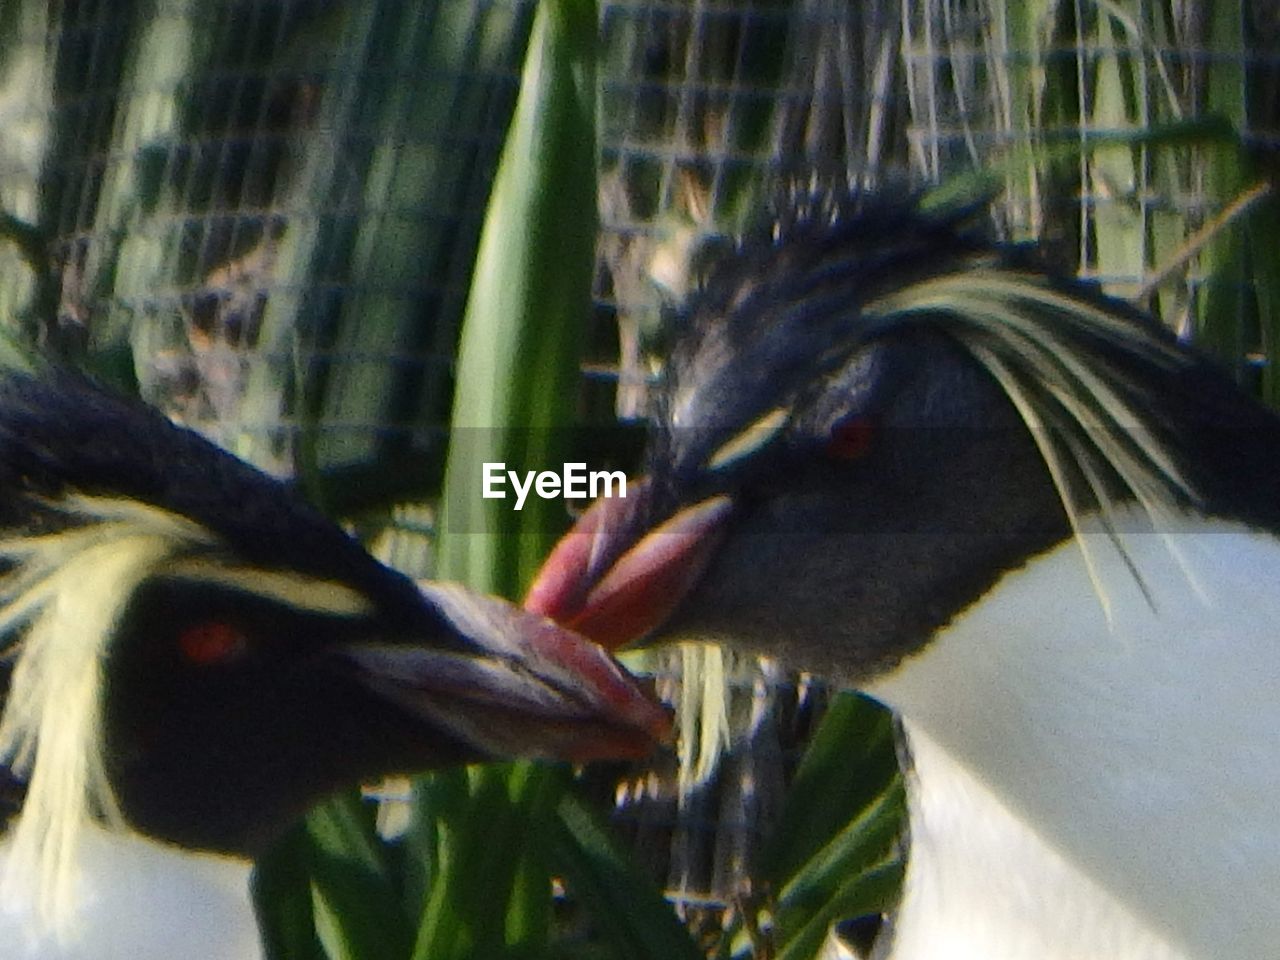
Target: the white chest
pixel 141 901
pixel 1091 786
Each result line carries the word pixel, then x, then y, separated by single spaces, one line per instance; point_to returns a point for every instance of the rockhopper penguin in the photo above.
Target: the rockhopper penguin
pixel 1023 515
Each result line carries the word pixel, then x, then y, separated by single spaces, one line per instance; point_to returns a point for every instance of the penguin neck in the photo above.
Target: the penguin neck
pixel 1097 777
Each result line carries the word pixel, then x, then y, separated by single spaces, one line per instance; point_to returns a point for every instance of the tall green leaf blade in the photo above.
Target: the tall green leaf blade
pixel 530 297
pixel 327 891
pixel 490 861
pixel 1225 318
pixel 281 889
pixel 874 891
pixel 489 889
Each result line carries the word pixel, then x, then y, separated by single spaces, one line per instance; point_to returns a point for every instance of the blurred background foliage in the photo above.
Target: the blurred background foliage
pixel 367 244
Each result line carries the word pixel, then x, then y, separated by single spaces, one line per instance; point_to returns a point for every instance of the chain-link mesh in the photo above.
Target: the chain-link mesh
pixel 267 210
pixel 252 199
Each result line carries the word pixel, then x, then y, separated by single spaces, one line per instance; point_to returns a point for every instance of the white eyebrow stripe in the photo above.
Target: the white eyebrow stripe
pixel 749 439
pixel 296 590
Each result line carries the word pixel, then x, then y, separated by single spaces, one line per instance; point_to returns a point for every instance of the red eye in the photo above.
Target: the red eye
pixel 850 438
pixel 211 642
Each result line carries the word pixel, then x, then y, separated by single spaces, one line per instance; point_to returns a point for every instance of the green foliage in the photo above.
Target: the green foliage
pixel 834 855
pixel 634 922
pixel 520 351
pixel 1081 101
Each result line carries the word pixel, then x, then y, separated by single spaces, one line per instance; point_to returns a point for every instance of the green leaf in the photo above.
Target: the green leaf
pixel 328 890
pixel 489 893
pixel 631 917
pixel 281 888
pixel 1116 175
pixel 530 298
pixel 849 763
pixel 358 908
pixel 872 892
pixel 487 885
pixel 832 855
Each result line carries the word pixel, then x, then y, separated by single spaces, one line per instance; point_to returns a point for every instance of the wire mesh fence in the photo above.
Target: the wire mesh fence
pixel 1116 133
pixel 272 207
pixel 269 208
pixel 266 212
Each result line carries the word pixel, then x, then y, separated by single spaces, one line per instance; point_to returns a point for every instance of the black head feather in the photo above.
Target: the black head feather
pixel 839 276
pixel 902 411
pixel 62 434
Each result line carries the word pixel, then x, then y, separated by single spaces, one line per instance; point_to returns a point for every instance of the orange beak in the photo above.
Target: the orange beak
pixel 615 592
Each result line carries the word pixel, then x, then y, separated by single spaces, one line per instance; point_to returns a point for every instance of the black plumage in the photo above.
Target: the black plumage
pixel 60 432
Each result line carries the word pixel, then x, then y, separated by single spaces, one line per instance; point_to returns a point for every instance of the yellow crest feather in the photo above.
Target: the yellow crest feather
pixel 61 600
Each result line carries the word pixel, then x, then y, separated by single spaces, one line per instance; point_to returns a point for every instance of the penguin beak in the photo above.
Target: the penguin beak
pixel 512 683
pixel 615 577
